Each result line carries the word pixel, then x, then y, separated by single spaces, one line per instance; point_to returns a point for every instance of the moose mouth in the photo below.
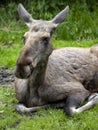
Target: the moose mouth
pixel 24 72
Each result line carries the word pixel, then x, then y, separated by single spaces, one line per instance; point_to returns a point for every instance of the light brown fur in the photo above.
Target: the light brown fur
pixel 45 76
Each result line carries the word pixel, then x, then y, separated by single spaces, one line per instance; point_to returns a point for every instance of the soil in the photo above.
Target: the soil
pixel 6 77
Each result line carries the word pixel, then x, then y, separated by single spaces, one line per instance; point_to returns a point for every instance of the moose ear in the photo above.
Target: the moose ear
pixel 60 17
pixel 24 15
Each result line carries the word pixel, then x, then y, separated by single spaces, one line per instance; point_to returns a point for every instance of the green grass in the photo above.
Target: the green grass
pixel 83 43
pixel 8 56
pixel 10 46
pixel 51 119
pixel 81 23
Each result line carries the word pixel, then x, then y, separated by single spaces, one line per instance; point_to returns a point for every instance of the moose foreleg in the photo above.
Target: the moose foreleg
pixel 74 101
pixel 20 108
pixel 75 109
pixel 89 104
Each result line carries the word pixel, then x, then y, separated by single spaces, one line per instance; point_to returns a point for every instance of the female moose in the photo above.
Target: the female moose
pixel 62 76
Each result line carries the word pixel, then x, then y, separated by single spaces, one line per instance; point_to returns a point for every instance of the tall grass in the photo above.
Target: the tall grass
pixel 82 21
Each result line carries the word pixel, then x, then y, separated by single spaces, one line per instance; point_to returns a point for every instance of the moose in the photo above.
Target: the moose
pixel 47 77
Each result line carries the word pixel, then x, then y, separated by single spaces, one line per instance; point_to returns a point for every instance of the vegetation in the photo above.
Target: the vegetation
pixel 50 119
pixel 82 21
pixel 80 29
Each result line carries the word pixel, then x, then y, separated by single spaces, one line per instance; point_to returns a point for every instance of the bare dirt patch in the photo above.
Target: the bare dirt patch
pixel 6 76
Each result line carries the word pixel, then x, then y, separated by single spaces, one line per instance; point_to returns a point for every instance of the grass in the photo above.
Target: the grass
pixel 10 45
pixel 51 119
pixel 83 43
pixel 82 23
pixel 8 56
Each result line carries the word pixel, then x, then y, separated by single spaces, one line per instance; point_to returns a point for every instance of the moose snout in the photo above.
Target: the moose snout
pixel 23 72
pixel 46 39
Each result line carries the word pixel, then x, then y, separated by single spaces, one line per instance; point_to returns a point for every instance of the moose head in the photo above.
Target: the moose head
pixel 37 41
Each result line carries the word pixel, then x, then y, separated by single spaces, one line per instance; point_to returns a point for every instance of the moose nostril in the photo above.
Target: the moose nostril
pixel 46 39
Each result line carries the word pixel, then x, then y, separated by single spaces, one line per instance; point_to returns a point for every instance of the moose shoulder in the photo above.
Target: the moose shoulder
pixel 63 77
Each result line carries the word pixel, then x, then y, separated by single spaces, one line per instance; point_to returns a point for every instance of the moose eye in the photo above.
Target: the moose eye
pixel 53 29
pixel 36 29
pixel 24 39
pixel 45 40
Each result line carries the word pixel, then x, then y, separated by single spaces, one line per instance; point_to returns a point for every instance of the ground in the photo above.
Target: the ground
pixel 6 76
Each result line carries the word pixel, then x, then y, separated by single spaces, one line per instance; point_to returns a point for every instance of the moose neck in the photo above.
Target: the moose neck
pixel 37 77
pixel 35 81
pixel 38 74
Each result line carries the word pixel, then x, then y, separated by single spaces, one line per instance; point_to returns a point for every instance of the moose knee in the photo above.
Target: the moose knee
pixel 74 101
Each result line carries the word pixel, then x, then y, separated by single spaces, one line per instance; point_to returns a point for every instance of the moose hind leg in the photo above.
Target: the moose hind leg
pixel 93 95
pixel 74 101
pixel 93 101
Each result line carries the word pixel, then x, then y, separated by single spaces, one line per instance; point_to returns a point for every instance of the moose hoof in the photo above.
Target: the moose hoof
pixel 92 96
pixel 20 108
